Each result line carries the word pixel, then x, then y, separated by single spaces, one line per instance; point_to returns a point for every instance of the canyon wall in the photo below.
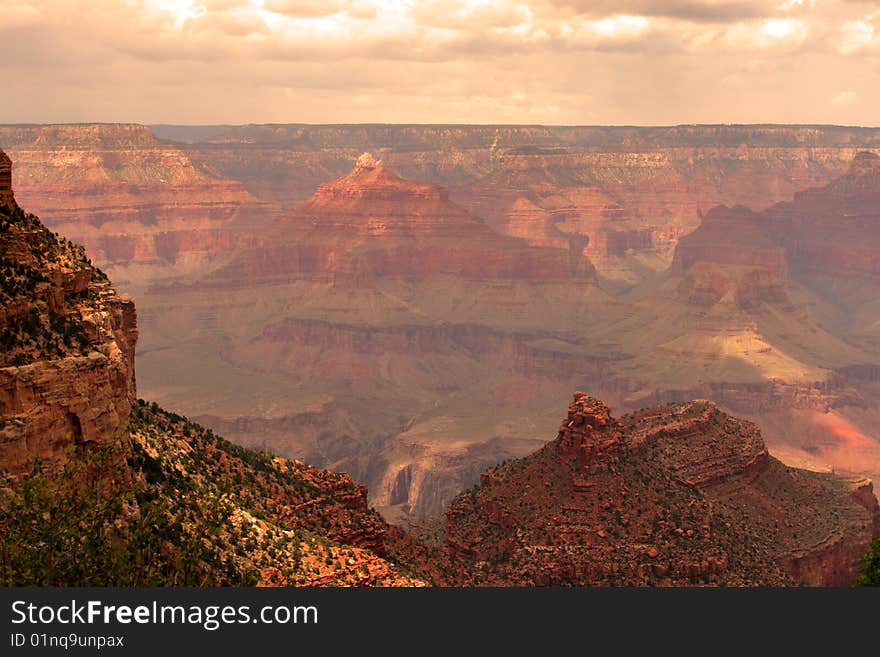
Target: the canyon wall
pixel 132 200
pixel 422 312
pixel 7 198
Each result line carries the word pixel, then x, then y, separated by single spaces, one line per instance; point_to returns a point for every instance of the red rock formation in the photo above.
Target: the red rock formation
pixel 123 194
pixel 48 406
pixel 372 223
pixel 55 392
pixel 831 229
pixel 730 236
pixel 677 495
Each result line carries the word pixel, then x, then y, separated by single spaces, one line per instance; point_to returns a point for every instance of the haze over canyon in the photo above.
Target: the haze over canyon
pixel 410 304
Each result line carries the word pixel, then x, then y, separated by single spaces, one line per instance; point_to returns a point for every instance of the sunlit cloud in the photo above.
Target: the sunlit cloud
pixel 861 35
pixel 845 98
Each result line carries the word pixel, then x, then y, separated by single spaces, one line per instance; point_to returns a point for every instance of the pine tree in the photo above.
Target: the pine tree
pixel 870 571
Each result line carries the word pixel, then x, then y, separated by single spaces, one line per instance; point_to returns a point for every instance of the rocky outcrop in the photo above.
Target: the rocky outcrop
pixel 48 406
pixel 67 369
pixel 829 561
pixel 682 494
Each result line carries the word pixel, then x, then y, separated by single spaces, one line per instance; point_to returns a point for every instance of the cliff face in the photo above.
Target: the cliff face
pixel 67 367
pixel 7 198
pixel 832 230
pixel 682 494
pixel 129 198
pixel 730 236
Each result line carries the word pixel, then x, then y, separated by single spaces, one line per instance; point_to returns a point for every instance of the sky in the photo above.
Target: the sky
pixel 556 62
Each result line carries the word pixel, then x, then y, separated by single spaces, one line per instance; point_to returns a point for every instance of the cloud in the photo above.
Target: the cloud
pixel 714 11
pixel 569 61
pixel 845 98
pixel 861 35
pixel 319 8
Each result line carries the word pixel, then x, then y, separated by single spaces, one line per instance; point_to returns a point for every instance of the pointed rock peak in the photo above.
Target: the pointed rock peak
pixel 595 412
pixel 588 429
pixel 370 170
pixel 370 180
pixel 367 162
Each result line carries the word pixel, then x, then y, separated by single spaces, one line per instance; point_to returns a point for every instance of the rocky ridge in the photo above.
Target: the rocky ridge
pixel 670 496
pixel 67 364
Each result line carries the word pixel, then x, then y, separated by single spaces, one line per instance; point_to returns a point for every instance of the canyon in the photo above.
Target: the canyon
pixel 415 318
pixel 98 487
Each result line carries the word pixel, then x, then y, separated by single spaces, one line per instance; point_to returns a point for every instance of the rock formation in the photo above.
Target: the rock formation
pixel 7 199
pixel 832 230
pixel 784 295
pixel 130 199
pixel 373 224
pixel 67 364
pixel 675 495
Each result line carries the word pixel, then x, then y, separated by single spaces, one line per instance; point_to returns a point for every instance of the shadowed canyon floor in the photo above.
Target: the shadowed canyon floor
pixel 415 317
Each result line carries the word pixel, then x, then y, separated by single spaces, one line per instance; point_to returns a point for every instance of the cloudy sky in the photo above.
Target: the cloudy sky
pixel 441 61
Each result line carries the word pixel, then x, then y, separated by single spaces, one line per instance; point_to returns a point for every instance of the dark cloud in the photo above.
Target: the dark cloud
pixel 716 11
